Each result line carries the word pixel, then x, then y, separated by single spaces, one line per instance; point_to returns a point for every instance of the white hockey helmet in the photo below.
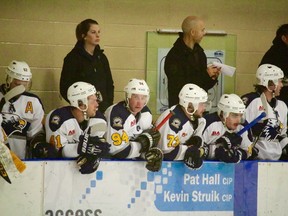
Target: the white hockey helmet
pixel 137 86
pixel 230 103
pixel 267 72
pixel 78 94
pixel 19 70
pixel 191 93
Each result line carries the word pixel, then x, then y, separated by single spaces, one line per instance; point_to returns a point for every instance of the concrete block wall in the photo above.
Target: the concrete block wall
pixel 43 32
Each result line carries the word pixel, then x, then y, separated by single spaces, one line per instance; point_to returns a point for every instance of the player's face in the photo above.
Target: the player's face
pixel 92 105
pixel 16 82
pixel 137 102
pixel 279 87
pixel 93 35
pixel 199 32
pixel 201 109
pixel 233 120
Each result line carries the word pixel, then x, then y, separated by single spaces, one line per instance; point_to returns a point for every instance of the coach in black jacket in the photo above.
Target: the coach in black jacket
pixel 186 62
pixel 86 62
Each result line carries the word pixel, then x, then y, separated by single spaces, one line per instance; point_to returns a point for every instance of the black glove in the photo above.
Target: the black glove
pixel 154 157
pixel 88 164
pixel 193 157
pixel 148 139
pixel 194 140
pixel 94 146
pixel 44 150
pixel 271 130
pixel 228 155
pixel 284 155
pixel 229 140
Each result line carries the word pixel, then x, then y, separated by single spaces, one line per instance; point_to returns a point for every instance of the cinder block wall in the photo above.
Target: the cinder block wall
pixel 43 32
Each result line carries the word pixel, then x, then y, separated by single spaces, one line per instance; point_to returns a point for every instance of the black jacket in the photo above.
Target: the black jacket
pixel 278 55
pixel 81 66
pixel 184 65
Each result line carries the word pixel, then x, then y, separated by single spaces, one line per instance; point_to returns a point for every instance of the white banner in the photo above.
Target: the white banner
pixel 127 188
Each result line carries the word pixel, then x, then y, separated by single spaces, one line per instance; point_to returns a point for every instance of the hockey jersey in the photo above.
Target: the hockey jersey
pixel 176 131
pixel 63 130
pixel 215 129
pixel 270 132
pixel 22 119
pixel 124 128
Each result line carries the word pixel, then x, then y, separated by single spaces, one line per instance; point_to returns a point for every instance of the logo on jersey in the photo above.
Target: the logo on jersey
pixel 261 108
pixel 55 120
pixel 176 123
pixel 184 134
pixel 71 132
pixel 133 123
pixel 215 133
pixel 13 123
pixel 117 122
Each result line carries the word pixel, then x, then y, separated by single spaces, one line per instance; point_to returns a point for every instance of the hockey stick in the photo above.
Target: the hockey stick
pixel 168 116
pixel 251 124
pixel 8 157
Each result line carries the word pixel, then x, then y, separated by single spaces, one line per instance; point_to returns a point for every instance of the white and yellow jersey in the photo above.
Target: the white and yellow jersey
pixel 176 131
pixel 63 130
pixel 124 127
pixel 22 119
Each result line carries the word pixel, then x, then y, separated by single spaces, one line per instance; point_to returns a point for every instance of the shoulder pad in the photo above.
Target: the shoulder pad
pixel 59 116
pixel 145 109
pixel 28 94
pixel 248 98
pixel 177 120
pixel 118 116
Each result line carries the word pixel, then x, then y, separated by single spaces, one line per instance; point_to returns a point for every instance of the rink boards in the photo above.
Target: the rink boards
pixel 57 188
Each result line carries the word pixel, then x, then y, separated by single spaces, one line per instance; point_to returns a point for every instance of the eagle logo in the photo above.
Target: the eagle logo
pixel 13 123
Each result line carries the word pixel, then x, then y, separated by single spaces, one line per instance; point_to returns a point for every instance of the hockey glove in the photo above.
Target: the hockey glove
pixel 228 155
pixel 229 140
pixel 44 150
pixel 194 140
pixel 93 146
pixel 148 139
pixel 193 157
pixel 88 164
pixel 271 131
pixel 154 157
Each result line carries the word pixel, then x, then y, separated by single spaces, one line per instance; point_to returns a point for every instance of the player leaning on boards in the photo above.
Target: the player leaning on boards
pixel 77 130
pixel 220 134
pixel 181 134
pixel 270 134
pixel 22 114
pixel 130 131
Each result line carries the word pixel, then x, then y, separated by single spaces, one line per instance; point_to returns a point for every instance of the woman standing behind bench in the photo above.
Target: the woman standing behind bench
pixel 87 62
